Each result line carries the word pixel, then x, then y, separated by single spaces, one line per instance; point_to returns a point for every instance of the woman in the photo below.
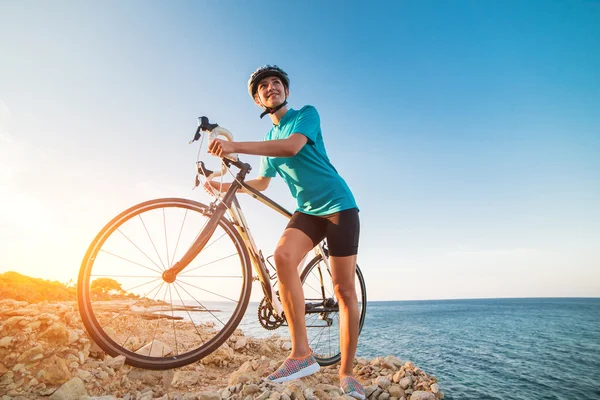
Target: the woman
pixel 294 149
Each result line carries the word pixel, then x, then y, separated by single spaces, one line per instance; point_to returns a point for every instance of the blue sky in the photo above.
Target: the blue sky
pixel 469 131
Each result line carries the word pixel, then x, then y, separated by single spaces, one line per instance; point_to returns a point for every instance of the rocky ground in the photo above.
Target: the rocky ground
pixel 46 353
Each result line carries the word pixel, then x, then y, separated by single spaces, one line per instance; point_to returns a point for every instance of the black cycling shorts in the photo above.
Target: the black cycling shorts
pixel 341 229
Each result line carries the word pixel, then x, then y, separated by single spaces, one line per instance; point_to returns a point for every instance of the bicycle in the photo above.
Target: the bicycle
pixel 136 301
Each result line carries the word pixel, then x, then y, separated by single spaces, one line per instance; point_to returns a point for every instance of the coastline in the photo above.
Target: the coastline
pixel 46 353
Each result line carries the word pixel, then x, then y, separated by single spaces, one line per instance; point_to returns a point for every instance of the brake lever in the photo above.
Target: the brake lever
pixel 203 125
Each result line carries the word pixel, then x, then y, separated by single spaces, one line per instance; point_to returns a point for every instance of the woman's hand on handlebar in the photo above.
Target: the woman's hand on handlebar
pixel 220 147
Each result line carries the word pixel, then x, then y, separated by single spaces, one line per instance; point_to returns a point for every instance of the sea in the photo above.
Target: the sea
pixel 505 349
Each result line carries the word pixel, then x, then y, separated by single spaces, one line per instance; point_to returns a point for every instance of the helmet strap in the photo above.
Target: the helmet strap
pixel 273 110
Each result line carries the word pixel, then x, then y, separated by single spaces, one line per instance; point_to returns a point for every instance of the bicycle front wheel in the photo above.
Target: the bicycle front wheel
pixel 129 309
pixel 322 310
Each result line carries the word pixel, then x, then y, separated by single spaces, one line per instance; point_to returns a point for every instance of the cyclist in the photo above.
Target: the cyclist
pixel 294 149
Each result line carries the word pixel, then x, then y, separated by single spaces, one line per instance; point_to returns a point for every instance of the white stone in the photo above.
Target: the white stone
pixel 6 341
pixel 287 346
pixel 156 348
pixel 72 389
pixel 114 362
pixel 422 395
pixel 241 343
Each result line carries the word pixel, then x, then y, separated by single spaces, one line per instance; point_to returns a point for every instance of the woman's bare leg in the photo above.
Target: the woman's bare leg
pixel 291 249
pixel 343 270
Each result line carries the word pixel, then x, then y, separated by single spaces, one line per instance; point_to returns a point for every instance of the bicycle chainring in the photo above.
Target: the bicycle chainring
pixel 267 316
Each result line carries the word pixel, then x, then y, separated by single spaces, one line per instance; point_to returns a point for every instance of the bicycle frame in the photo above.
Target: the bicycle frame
pixel 230 203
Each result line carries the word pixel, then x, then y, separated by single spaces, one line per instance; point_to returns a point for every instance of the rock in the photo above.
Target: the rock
pixel 409 365
pixel 397 376
pixel 74 389
pixel 422 395
pixel 155 348
pixel 250 389
pixel 264 395
pixel 185 379
pixel 296 388
pixel 370 389
pixel 383 382
pixel 435 388
pixel 84 375
pixel 209 396
pixel 151 377
pixel 6 341
pixel 53 370
pixel 396 391
pixel 73 337
pixel 56 334
pixel 405 382
pixel 239 377
pixel 108 397
pixel 115 363
pixel 384 396
pixel 12 322
pixel 277 396
pixel 241 343
pixel 392 362
pixel 308 393
pixel 376 393
pixel 287 346
pixel 329 388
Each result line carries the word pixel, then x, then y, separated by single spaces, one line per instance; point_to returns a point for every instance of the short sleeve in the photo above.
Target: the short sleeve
pixel 266 169
pixel 308 123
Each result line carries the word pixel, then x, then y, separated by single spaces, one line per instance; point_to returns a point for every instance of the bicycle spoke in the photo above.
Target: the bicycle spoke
pixel 178 237
pixel 141 251
pixel 166 238
pixel 123 276
pixel 133 262
pixel 188 313
pixel 214 241
pixel 157 321
pixel 133 326
pixel 209 263
pixel 135 287
pixel 201 305
pixel 317 337
pixel 208 291
pixel 213 276
pixel 173 320
pixel 152 241
pixel 140 299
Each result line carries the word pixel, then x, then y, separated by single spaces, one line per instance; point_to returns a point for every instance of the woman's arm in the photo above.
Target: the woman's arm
pixel 261 183
pixel 272 148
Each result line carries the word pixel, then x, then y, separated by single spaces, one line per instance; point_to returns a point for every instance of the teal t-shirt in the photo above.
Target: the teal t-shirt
pixel 312 179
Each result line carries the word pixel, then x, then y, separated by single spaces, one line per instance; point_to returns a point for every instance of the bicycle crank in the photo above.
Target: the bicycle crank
pixel 267 317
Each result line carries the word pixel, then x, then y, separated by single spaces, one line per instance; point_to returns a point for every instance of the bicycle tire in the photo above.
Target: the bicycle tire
pixel 126 330
pixel 318 288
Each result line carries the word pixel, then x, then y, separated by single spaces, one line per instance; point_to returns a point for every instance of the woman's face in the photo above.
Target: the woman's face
pixel 271 92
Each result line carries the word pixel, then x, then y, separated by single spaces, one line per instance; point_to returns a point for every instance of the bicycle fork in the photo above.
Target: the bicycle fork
pixel 170 275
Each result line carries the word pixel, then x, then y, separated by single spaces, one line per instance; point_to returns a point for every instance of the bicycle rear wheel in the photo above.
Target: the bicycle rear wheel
pixel 129 309
pixel 322 310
